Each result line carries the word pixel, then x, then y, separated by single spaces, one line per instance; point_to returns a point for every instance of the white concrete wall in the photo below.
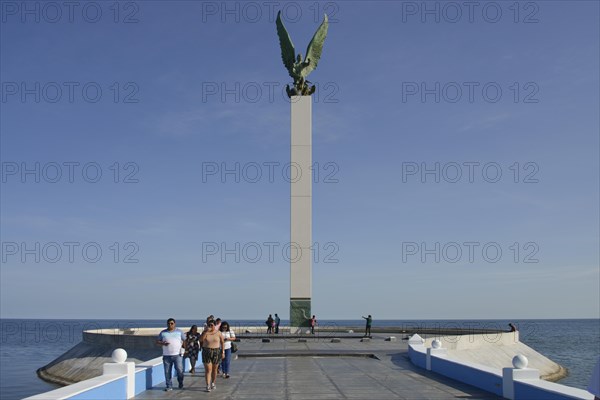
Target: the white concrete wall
pixel 516 384
pixel 496 350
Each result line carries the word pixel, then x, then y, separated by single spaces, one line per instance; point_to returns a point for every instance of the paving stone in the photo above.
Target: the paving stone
pixel 343 373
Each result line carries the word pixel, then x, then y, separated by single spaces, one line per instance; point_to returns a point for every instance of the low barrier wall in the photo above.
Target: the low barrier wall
pixel 510 383
pixel 108 387
pixel 481 377
pixel 150 374
pixel 497 351
pixel 543 390
pixel 111 386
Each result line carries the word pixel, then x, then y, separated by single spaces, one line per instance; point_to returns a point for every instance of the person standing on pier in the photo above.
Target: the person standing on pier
pixel 269 323
pixel 228 338
pixel 368 326
pixel 171 340
pixel 277 321
pixel 313 323
pixel 212 353
pixel 192 347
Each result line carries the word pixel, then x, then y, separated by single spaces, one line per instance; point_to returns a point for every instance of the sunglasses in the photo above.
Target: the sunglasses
pixel 171 323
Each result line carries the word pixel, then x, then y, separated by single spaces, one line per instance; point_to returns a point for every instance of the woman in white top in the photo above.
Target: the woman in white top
pixel 229 337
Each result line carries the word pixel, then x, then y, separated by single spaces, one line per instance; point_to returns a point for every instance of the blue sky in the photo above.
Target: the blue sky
pixel 178 96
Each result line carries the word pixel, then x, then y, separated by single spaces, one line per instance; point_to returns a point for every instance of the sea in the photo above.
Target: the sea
pixel 28 344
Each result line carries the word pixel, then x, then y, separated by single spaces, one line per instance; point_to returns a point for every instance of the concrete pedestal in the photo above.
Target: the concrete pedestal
pixel 510 375
pixel 301 211
pixel 124 368
pixel 299 312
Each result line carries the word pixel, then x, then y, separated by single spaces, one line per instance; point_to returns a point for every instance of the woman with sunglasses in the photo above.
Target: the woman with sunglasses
pixel 228 337
pixel 212 353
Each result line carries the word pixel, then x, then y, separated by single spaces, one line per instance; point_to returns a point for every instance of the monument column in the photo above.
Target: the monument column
pixel 301 211
pixel 299 68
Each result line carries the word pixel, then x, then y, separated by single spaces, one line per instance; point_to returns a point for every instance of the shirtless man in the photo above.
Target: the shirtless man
pixel 213 352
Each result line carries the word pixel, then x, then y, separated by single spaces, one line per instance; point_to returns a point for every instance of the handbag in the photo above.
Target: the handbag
pixel 234 348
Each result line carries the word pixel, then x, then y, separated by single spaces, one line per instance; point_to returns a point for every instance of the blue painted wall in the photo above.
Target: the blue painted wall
pixel 148 378
pixel 530 392
pixel 473 376
pixel 487 381
pixel 417 358
pixel 116 390
pixel 151 377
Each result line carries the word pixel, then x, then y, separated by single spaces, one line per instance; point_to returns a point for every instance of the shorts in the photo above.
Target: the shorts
pixel 211 356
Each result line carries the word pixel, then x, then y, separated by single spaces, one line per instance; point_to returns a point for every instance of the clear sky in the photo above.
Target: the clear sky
pixel 456 145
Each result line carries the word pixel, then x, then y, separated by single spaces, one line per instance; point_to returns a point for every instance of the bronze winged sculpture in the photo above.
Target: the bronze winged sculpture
pixel 298 67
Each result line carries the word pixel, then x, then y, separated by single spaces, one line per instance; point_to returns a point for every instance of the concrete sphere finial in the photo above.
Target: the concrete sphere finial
pixel 436 344
pixel 119 355
pixel 520 361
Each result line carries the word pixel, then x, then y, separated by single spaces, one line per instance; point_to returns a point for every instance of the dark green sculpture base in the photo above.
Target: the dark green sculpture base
pixel 300 312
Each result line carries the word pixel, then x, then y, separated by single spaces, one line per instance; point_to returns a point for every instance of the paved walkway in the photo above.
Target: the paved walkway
pixel 319 369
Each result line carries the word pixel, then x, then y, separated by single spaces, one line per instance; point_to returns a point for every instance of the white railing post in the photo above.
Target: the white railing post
pixel 519 371
pixel 435 350
pixel 120 367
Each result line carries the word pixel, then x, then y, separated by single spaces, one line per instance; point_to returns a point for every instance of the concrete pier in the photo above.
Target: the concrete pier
pixel 320 369
pixel 486 346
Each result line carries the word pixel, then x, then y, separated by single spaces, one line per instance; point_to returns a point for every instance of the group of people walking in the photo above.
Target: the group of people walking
pixel 214 343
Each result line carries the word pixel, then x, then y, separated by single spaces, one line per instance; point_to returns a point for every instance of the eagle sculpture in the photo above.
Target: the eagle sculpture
pixel 298 67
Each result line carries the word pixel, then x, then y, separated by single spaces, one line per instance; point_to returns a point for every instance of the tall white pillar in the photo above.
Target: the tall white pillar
pixel 301 211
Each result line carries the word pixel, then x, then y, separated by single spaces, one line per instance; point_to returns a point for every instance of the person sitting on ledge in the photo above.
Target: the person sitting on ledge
pixel 513 328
